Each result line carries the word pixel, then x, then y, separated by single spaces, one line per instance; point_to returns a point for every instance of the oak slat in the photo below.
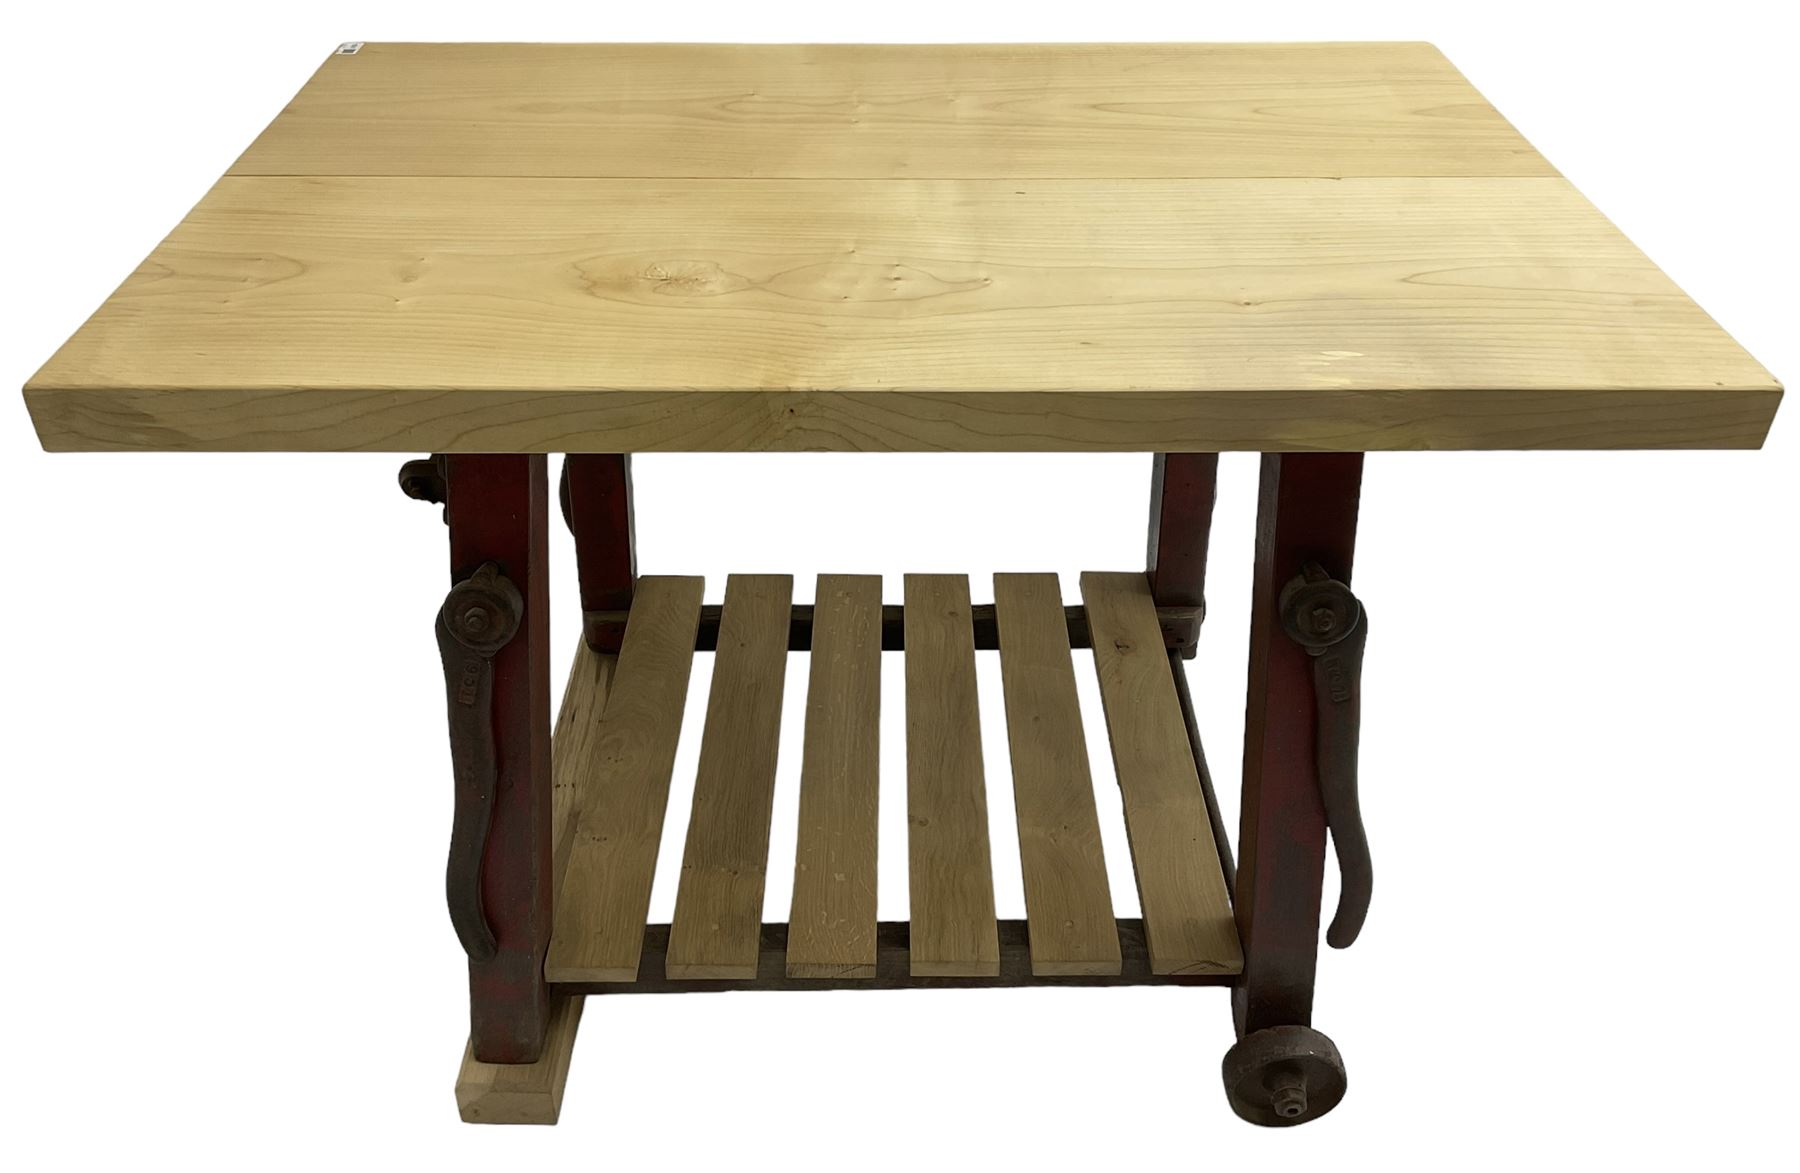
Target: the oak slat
pixel 718 904
pixel 831 930
pixel 532 1093
pixel 575 748
pixel 890 112
pixel 1187 913
pixel 951 872
pixel 621 800
pixel 1068 901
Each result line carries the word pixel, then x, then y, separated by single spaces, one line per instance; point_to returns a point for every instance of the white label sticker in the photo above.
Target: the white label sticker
pixel 349 48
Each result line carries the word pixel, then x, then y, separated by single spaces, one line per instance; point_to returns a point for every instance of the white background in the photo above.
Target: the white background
pixel 224 944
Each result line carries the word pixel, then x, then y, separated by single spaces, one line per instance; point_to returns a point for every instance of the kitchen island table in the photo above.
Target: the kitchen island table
pixel 493 253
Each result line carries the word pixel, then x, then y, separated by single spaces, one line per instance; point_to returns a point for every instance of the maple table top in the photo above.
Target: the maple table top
pixel 558 247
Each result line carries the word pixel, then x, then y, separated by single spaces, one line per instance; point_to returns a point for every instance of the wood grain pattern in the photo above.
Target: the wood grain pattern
pixel 832 918
pixel 718 904
pixel 576 748
pixel 619 248
pixel 890 112
pixel 605 897
pixel 1187 914
pixel 951 876
pixel 629 315
pixel 532 1093
pixel 1068 901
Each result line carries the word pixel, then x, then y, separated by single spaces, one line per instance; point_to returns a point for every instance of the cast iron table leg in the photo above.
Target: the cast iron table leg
pixel 596 502
pixel 497 511
pixel 1182 486
pixel 1281 1071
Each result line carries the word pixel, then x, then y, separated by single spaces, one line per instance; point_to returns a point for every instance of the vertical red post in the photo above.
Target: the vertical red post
pixel 498 510
pixel 1306 512
pixel 1182 487
pixel 597 506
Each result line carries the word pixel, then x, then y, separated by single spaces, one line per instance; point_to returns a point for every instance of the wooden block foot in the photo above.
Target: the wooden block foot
pixel 521 1093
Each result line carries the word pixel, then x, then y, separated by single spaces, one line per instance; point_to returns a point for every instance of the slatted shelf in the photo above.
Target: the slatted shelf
pixel 613 785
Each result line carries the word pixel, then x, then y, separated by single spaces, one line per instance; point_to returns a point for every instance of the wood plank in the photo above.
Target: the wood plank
pixel 605 899
pixel 1068 901
pixel 532 1093
pixel 951 876
pixel 1187 914
pixel 833 910
pixel 718 905
pixel 576 749
pixel 890 112
pixel 467 315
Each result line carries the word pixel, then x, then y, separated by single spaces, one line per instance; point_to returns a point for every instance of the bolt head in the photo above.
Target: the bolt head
pixel 1289 1102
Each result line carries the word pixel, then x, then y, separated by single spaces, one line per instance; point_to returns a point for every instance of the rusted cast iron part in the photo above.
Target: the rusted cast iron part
pixel 479 617
pixel 1284 1075
pixel 1321 615
pixel 496 508
pixel 1306 512
pixel 499 511
pixel 423 480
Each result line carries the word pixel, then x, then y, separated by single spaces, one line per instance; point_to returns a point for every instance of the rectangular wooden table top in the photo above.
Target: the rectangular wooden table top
pixel 557 247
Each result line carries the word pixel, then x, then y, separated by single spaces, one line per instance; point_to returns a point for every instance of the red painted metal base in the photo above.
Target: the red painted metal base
pixel 1306 512
pixel 1182 487
pixel 596 502
pixel 497 510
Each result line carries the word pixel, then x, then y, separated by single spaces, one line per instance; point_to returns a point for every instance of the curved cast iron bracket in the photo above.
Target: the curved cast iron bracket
pixel 1321 615
pixel 479 617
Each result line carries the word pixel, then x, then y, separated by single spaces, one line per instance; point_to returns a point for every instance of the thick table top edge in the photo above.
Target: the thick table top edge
pixel 902 421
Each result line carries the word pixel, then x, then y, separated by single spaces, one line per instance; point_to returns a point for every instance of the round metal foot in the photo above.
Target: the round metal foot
pixel 1284 1075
